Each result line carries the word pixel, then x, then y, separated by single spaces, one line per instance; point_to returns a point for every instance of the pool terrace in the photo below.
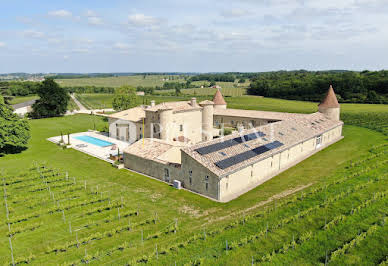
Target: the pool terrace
pixel 94 143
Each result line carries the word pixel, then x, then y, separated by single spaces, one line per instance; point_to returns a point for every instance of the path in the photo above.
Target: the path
pixel 80 106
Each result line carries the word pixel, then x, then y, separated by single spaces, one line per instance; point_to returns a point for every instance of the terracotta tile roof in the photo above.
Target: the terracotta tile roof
pixel 156 150
pixel 218 99
pixel 257 114
pixel 289 132
pixel 330 99
pixel 175 106
pixel 206 102
pixel 134 114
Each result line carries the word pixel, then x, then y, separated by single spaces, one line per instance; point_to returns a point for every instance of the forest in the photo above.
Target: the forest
pixel 350 87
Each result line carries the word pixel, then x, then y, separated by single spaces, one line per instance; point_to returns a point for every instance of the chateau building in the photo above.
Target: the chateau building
pixel 183 141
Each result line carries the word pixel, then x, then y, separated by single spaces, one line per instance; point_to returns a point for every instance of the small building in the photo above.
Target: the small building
pixel 223 168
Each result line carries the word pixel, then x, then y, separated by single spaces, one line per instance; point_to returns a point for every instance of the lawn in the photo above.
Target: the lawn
pixel 22 99
pixel 104 238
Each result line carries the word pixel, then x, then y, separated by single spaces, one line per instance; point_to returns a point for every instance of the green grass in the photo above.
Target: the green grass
pixel 71 105
pixel 96 100
pixel 153 198
pixel 362 152
pixel 22 99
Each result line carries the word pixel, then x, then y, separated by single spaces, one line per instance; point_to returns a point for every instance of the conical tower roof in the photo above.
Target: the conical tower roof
pixel 218 99
pixel 330 101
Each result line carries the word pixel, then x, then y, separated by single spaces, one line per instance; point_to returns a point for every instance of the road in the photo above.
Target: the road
pixel 80 106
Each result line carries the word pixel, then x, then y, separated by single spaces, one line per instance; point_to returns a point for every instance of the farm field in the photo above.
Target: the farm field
pixel 136 80
pixel 229 88
pixel 333 203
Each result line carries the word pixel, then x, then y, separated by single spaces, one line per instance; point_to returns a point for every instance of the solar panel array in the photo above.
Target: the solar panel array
pixel 229 143
pixel 223 164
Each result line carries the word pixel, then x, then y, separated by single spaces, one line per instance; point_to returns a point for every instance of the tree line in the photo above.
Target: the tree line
pixel 350 87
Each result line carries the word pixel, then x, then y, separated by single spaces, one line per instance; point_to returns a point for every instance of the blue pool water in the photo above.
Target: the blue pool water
pixel 94 141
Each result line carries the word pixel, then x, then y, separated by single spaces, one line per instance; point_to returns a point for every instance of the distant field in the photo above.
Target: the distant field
pixel 148 81
pixel 228 88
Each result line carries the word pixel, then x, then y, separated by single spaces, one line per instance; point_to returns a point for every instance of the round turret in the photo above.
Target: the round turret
pixel 218 100
pixel 330 106
pixel 207 119
pixel 165 123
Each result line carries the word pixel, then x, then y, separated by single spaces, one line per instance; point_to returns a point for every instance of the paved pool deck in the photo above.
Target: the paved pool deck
pixel 91 149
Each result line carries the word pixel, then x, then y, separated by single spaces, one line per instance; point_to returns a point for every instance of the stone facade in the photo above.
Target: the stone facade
pixel 300 136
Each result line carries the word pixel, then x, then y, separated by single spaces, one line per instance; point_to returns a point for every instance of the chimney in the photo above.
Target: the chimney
pixel 152 103
pixel 193 102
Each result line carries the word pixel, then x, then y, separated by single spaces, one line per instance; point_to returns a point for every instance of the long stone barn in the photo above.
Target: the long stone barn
pixel 223 168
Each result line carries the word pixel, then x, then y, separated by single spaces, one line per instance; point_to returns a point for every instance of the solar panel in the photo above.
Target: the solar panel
pixel 228 143
pixel 223 164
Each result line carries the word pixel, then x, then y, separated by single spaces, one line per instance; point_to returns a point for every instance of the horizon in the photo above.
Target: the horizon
pixel 192 37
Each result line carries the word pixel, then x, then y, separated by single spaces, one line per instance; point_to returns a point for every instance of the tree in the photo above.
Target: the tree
pixel 53 100
pixel 14 131
pixel 125 98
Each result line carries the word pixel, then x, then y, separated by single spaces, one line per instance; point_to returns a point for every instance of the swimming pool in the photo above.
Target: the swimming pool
pixel 94 141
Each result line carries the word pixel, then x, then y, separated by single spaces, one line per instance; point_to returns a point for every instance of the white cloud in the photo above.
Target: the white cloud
pixel 34 34
pixel 2 44
pixel 60 13
pixel 143 20
pixel 90 13
pixel 95 21
pixel 65 57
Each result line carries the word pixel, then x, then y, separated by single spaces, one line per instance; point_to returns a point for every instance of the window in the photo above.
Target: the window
pixel 190 181
pixel 166 174
pixel 271 164
pixel 319 140
pixel 181 127
pixel 190 177
pixel 207 186
pixel 227 185
pixel 207 178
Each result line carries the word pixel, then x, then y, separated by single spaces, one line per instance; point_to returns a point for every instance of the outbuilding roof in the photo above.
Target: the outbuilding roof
pixel 287 132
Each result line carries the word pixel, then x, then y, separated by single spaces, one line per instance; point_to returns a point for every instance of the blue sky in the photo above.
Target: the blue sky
pixel 192 36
